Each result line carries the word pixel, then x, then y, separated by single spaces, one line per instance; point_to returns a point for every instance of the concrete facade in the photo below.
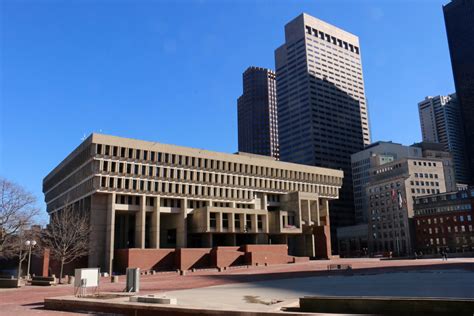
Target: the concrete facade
pixel 362 162
pixel 322 110
pixel 380 153
pixel 149 195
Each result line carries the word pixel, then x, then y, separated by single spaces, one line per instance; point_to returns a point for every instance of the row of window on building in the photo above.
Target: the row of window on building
pixel 442 219
pixel 424 191
pixel 211 178
pixel 238 220
pixel 444 197
pixel 444 209
pixel 424 163
pixel 332 39
pixel 174 188
pixel 456 229
pixel 459 240
pixel 426 175
pixel 176 203
pixel 205 163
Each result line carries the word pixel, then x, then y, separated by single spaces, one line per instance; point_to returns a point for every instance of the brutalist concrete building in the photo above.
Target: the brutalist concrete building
pixel 142 194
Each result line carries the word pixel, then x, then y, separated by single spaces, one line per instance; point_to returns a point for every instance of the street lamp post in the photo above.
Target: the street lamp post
pixel 30 244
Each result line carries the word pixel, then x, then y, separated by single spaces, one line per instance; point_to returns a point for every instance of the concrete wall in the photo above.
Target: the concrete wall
pixel 98 225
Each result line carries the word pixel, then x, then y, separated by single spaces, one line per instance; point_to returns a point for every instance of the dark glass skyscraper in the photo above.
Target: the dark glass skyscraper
pixel 257 113
pixel 322 111
pixel 459 20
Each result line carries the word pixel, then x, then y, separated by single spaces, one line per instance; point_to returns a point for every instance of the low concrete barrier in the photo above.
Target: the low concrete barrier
pixel 387 305
pixel 145 309
pixel 6 283
pixel 43 281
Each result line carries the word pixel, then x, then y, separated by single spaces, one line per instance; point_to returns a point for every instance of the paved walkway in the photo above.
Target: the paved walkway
pixel 28 300
pixel 269 295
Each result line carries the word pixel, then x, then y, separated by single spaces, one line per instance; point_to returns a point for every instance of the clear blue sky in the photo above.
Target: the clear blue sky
pixel 170 71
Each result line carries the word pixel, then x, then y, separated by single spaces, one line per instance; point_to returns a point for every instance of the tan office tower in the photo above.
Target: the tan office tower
pixel 148 195
pixel 322 110
pixel 391 190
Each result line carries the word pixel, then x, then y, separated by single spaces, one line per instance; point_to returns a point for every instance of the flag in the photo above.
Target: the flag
pixel 394 195
pixel 400 200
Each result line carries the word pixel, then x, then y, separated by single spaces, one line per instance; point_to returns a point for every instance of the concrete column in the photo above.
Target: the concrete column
pixel 308 206
pixel 324 211
pixel 265 223
pixel 317 220
pixel 140 224
pixel 110 233
pixel 232 222
pixel 242 222
pixel 182 227
pixel 264 202
pixel 310 245
pixel 219 225
pixel 155 225
pixel 254 223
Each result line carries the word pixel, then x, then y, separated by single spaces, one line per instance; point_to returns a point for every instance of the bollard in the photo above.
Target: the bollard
pixel 70 279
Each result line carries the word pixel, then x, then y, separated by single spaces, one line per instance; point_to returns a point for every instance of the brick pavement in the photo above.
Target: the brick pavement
pixel 28 300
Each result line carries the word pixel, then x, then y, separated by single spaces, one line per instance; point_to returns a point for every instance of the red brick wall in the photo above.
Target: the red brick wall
pixel 188 258
pixel 269 254
pixel 322 240
pixel 120 263
pixel 145 259
pixel 40 264
pixel 423 236
pixel 230 256
pixel 228 248
pixel 280 249
pixel 261 258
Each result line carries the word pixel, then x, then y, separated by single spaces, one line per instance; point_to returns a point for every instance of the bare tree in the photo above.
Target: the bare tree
pixel 17 211
pixel 67 235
